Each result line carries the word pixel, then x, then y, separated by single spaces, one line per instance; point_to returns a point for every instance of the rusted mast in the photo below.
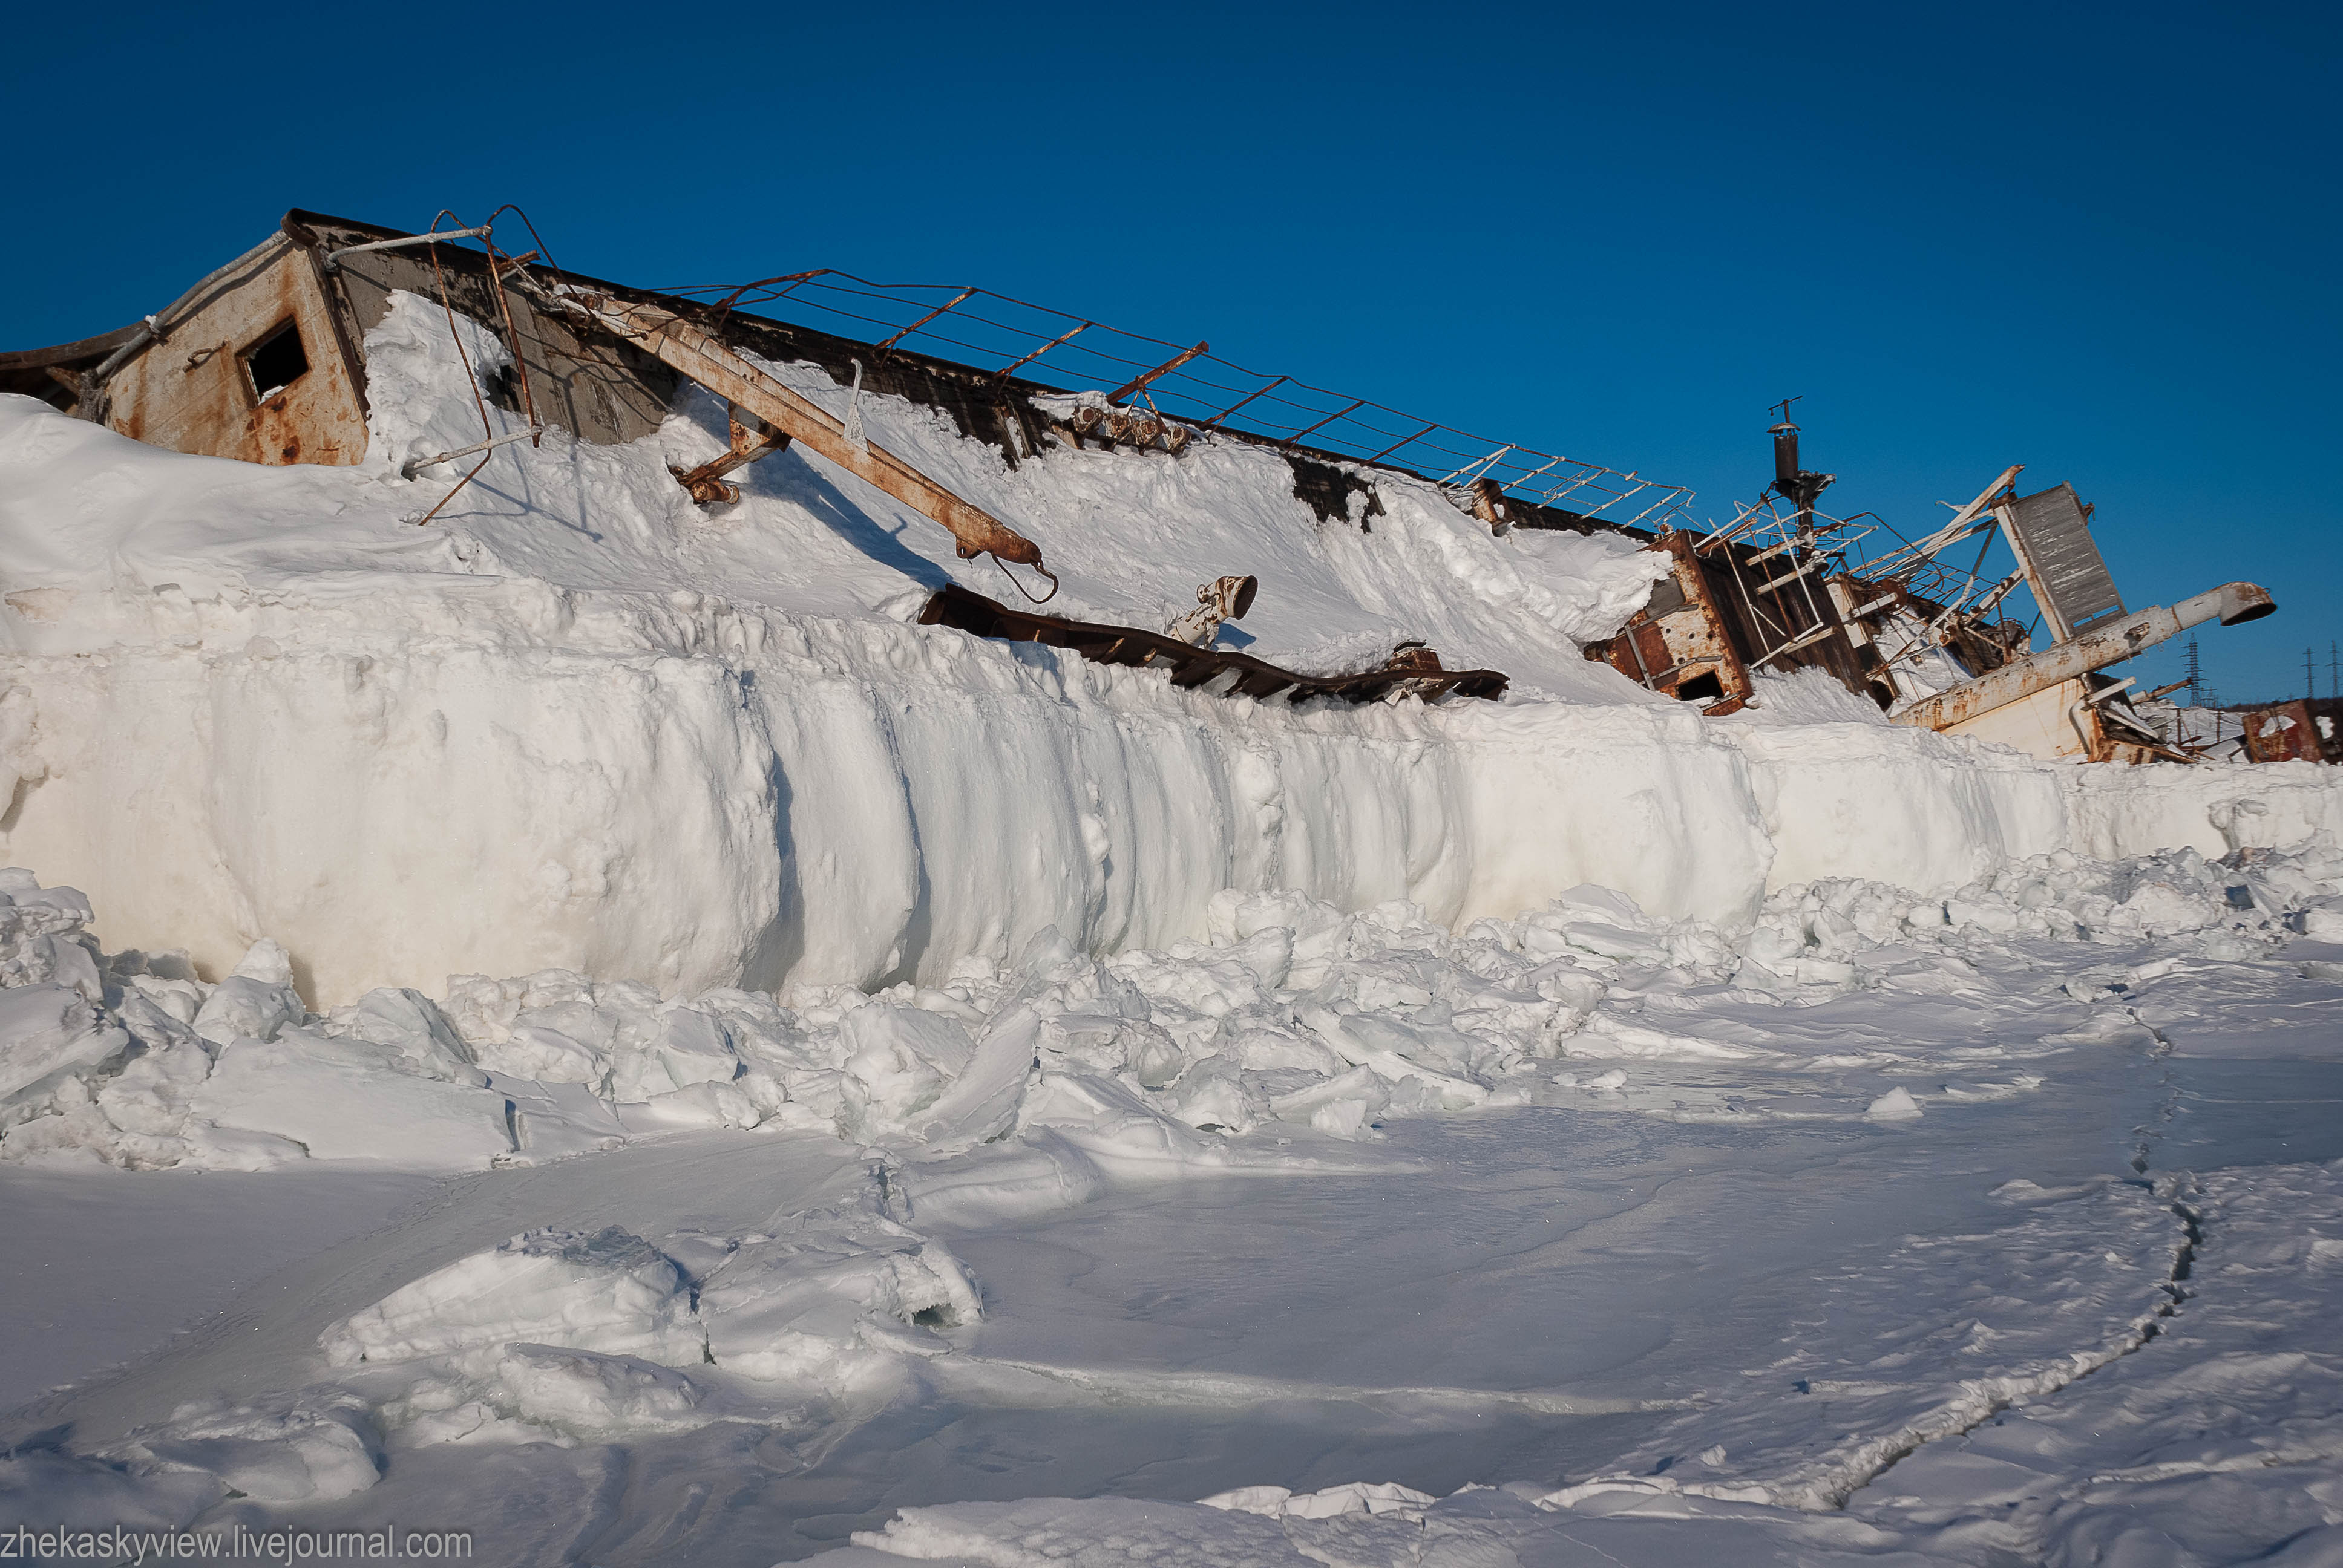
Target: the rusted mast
pixel 1798 486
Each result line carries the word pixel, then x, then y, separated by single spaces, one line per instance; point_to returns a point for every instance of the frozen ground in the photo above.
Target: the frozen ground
pixel 1999 1228
pixel 587 1026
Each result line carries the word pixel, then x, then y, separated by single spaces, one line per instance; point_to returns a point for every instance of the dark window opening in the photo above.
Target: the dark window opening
pixel 276 361
pixel 1702 687
pixel 503 388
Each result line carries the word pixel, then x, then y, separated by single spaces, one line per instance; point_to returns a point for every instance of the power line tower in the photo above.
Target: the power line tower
pixel 2196 677
pixel 2309 674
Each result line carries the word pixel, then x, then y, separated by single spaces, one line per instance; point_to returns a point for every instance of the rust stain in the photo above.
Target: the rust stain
pixel 2286 733
pixel 194 392
pixel 1679 643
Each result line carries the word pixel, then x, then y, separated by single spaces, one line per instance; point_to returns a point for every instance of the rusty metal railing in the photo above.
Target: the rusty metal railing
pixel 989 331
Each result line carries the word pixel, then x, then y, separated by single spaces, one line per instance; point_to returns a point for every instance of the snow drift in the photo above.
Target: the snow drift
pixel 577 723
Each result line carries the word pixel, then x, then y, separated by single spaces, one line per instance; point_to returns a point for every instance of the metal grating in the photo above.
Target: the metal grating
pixel 1187 383
pixel 2054 537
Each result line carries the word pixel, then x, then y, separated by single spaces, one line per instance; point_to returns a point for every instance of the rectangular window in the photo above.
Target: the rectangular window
pixel 275 361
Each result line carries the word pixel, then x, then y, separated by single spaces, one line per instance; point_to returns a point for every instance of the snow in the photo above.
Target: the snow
pixel 698 750
pixel 969 1164
pixel 585 1024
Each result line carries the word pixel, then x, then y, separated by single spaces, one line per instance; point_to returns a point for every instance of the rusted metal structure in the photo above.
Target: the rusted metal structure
pixel 2289 732
pixel 264 360
pixel 1780 587
pixel 1728 606
pixel 1758 594
pixel 2056 673
pixel 256 361
pixel 1413 670
pixel 698 354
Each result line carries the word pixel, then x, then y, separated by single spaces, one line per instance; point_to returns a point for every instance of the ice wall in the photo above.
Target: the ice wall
pixel 577 722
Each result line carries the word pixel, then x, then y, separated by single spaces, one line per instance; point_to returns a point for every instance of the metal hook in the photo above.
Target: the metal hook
pixel 1028 597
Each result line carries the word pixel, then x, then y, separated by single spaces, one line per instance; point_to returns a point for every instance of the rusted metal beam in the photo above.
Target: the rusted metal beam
pixel 951 304
pixel 694 352
pixel 1003 373
pixel 2095 650
pixel 1419 435
pixel 1413 670
pixel 88 349
pixel 1247 398
pixel 1144 378
pixel 751 439
pixel 1329 419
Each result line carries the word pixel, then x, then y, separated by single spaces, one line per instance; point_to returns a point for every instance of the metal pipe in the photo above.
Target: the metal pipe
pixel 334 259
pixel 158 326
pixel 2231 603
pixel 414 466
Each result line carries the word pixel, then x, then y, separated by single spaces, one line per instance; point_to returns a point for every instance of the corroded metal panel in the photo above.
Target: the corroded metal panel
pixel 2286 733
pixel 2051 723
pixel 195 391
pixel 2053 540
pixel 1681 642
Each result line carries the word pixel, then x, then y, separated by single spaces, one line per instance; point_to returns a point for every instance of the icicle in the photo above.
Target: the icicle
pixel 854 436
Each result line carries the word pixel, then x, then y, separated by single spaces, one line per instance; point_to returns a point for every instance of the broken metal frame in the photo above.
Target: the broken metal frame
pixel 999 334
pixel 2110 642
pixel 1762 594
pixel 2286 732
pixel 750 440
pixel 693 351
pixel 1414 670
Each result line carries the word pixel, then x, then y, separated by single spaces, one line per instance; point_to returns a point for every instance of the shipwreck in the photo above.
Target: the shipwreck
pixel 262 360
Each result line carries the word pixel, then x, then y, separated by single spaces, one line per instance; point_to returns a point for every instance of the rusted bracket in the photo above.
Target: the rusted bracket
pixel 698 354
pixel 1139 384
pixel 751 439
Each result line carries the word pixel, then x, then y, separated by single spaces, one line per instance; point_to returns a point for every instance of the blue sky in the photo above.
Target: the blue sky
pixel 2100 241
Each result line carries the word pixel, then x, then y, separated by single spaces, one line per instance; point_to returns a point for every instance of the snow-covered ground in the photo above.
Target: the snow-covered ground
pixel 1989 1228
pixel 952 1102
